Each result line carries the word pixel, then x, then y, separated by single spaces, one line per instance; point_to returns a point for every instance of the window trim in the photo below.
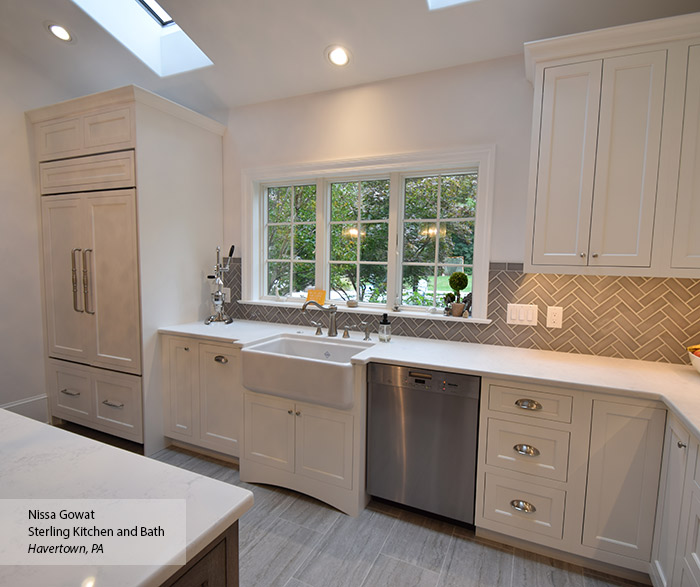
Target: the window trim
pixel 481 157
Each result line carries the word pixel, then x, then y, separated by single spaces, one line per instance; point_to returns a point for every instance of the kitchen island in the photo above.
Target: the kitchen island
pixel 38 461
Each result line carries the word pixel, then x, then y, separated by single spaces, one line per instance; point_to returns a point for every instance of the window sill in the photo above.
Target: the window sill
pixel 370 310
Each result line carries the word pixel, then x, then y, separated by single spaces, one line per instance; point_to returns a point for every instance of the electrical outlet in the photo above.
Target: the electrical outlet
pixel 522 314
pixel 555 314
pixel 227 294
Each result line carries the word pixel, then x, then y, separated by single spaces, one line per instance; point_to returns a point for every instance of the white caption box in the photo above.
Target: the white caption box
pixel 93 532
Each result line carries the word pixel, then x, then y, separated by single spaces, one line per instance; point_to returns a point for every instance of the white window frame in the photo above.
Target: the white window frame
pixel 394 166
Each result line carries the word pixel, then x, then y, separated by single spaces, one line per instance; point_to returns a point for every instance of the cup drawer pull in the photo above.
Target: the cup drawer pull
pixel 523 506
pixel 112 404
pixel 526 450
pixel 70 393
pixel 221 359
pixel 528 404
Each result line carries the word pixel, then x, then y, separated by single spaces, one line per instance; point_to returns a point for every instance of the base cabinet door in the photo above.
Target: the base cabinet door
pixel 667 543
pixel 623 477
pixel 181 383
pixel 269 431
pixel 303 439
pixel 324 444
pixel 203 399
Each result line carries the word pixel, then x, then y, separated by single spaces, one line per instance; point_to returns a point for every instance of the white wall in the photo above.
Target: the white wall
pixel 485 103
pixel 22 387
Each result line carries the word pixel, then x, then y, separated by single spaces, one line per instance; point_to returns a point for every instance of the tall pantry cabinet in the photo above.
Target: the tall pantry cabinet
pixel 130 191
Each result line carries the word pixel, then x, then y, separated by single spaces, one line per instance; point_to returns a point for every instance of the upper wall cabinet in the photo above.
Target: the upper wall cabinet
pixel 610 112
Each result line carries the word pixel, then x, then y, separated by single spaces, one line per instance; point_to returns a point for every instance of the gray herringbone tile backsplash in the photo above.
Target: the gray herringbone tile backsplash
pixel 647 318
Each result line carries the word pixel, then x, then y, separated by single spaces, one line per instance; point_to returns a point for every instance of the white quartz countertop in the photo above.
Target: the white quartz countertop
pixel 678 386
pixel 38 461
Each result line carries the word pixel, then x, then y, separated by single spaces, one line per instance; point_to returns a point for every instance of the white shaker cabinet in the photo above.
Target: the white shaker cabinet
pixel 623 478
pixel 599 146
pixel 570 470
pixel 686 235
pixel 669 532
pixel 614 187
pixel 300 438
pixel 203 399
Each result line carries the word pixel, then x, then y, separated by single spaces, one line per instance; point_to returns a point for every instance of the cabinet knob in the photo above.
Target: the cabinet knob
pixel 526 450
pixel 523 506
pixel 594 255
pixel 528 404
pixel 290 412
pixel 582 255
pixel 187 349
pixel 298 413
pixel 682 444
pixel 221 359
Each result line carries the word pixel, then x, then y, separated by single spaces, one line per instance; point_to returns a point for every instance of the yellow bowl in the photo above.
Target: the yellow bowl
pixel 694 360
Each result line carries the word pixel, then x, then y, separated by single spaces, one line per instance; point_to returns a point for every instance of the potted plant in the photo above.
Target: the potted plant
pixel 449 299
pixel 458 282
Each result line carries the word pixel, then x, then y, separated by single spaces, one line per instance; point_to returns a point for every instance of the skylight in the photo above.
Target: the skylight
pixel 157 12
pixel 437 4
pixel 151 36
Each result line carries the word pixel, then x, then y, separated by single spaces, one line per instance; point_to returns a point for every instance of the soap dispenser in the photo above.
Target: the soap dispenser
pixel 384 329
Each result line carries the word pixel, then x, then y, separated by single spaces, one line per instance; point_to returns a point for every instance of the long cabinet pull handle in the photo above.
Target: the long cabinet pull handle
pixel 112 404
pixel 526 450
pixel 523 506
pixel 221 359
pixel 74 279
pixel 528 404
pixel 70 393
pixel 86 280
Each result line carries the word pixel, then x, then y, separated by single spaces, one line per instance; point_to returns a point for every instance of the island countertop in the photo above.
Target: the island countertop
pixel 38 461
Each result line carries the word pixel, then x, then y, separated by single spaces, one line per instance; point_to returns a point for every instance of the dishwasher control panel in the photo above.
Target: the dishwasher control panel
pixel 424 379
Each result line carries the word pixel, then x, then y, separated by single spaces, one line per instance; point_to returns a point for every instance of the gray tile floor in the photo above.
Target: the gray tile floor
pixel 291 540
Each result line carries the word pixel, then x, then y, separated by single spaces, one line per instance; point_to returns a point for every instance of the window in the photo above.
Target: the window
pixel 385 232
pixel 438 235
pixel 359 240
pixel 290 231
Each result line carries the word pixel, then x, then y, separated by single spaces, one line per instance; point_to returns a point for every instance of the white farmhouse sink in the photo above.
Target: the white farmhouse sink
pixel 308 368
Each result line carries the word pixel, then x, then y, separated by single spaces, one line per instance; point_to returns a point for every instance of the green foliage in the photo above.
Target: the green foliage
pixel 458 282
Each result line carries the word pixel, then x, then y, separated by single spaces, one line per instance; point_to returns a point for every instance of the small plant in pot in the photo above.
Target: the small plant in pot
pixel 458 282
pixel 448 299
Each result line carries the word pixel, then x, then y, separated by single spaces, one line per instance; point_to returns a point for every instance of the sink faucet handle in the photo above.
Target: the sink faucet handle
pixel 318 325
pixel 346 332
pixel 365 327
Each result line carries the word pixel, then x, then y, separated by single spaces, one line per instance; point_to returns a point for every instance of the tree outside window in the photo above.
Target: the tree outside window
pixel 359 240
pixel 438 235
pixel 290 239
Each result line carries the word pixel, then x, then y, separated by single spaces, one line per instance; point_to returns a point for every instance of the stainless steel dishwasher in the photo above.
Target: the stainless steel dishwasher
pixel 422 439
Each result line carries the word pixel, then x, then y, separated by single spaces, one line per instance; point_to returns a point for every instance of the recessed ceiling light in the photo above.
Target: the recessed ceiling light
pixel 60 32
pixel 338 55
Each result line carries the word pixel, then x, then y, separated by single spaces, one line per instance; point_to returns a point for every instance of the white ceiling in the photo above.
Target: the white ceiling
pixel 269 49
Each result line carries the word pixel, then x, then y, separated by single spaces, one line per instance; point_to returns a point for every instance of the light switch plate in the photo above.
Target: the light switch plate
pixel 525 314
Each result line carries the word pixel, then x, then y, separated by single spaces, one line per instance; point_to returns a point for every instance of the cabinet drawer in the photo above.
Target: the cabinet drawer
pixel 530 402
pixel 505 501
pixel 97 131
pixel 528 449
pixel 70 390
pixel 118 404
pixel 100 172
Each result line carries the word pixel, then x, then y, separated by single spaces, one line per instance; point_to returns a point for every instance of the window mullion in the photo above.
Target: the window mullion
pixel 393 271
pixel 322 231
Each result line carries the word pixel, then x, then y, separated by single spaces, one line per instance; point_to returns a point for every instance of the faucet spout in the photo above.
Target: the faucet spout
pixel 331 309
